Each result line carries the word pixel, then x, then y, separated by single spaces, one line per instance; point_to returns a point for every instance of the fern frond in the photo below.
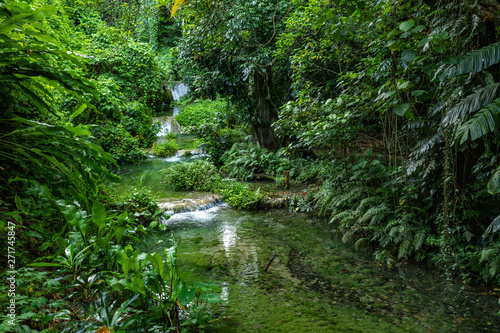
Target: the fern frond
pixel 405 249
pixel 470 104
pixel 342 217
pixel 351 196
pixel 360 242
pixel 474 61
pixel 377 213
pixel 424 146
pixel 483 122
pixel 367 202
pixel 419 238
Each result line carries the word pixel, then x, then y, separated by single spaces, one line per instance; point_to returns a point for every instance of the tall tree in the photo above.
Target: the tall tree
pixel 229 48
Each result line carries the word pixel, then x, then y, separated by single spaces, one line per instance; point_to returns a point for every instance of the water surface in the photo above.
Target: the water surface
pixel 288 272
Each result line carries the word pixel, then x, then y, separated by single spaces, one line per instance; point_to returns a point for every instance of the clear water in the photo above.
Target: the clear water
pixel 313 282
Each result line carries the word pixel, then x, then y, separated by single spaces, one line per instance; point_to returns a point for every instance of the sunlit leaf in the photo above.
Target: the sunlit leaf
pixel 407 25
pixel 401 109
pixel 176 6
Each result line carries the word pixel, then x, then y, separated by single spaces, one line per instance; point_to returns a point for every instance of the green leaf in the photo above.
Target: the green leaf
pixel 157 261
pixel 482 123
pixel 494 183
pixel 475 61
pixel 409 55
pixel 418 28
pixel 418 93
pixel 46 264
pixel 401 109
pixel 99 215
pixel 423 42
pixel 19 204
pixel 404 85
pixel 77 112
pixel 470 104
pixel 186 296
pixel 407 25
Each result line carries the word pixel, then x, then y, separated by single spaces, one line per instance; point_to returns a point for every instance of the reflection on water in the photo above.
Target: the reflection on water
pixel 311 270
pixel 228 237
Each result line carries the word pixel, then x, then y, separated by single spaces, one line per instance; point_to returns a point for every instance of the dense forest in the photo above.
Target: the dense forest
pixel 384 113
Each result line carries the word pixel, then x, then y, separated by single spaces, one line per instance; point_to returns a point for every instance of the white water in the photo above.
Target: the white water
pixel 196 217
pixel 179 90
pixel 168 123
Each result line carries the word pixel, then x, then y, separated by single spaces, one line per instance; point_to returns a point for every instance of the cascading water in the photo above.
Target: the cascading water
pixel 168 122
pixel 178 91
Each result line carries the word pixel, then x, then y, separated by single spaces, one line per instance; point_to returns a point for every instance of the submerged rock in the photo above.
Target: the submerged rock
pixel 189 205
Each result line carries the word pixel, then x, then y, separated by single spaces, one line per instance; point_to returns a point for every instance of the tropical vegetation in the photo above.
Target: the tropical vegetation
pixel 387 112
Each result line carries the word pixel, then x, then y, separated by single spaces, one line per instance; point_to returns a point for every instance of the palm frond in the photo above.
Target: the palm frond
pixel 483 122
pixel 475 61
pixel 470 104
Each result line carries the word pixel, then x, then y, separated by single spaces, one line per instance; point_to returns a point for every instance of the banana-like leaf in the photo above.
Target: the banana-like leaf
pixel 470 104
pixel 475 61
pixel 494 183
pixel 483 122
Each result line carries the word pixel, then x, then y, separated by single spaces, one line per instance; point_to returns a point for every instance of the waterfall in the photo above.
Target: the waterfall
pixel 178 91
pixel 168 123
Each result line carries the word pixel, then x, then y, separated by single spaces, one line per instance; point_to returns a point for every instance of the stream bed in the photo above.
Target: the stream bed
pixel 284 271
pixel 288 272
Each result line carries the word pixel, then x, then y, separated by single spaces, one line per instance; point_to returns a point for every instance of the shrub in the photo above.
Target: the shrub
pixel 140 203
pixel 239 195
pixel 199 175
pixel 192 115
pixel 115 139
pixel 245 160
pixel 217 140
pixel 165 148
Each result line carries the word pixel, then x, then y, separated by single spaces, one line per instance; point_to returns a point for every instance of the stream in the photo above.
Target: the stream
pixel 288 272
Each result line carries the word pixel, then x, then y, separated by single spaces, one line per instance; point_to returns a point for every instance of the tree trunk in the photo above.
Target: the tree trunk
pixel 266 112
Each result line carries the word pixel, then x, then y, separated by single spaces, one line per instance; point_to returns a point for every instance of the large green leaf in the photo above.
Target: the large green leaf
pixel 401 109
pixel 407 25
pixel 494 183
pixel 475 61
pixel 99 215
pixel 470 104
pixel 483 122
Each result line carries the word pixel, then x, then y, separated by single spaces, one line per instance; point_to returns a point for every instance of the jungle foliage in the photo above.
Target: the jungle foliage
pixel 389 109
pixel 413 82
pixel 77 95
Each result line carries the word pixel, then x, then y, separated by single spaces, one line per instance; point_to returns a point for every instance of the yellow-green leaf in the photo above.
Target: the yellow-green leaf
pixel 176 6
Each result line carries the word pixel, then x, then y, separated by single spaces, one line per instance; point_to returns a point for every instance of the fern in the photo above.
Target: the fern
pixel 376 213
pixel 406 247
pixel 475 61
pixel 425 146
pixel 419 238
pixel 368 202
pixel 342 217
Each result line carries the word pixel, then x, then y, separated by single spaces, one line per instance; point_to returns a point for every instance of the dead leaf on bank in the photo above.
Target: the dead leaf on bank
pixel 103 329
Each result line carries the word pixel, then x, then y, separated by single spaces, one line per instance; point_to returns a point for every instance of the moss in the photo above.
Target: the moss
pixel 200 261
pixel 214 242
pixel 197 240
